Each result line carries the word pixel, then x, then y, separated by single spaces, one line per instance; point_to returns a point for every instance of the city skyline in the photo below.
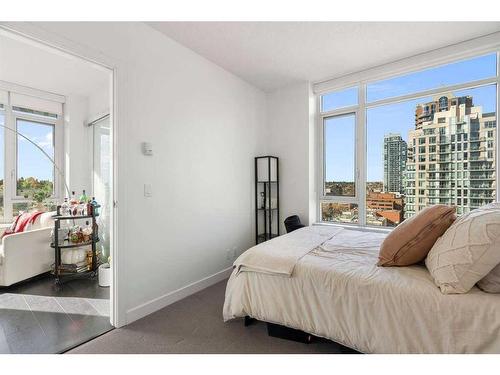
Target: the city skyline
pixel 398 117
pixel 382 121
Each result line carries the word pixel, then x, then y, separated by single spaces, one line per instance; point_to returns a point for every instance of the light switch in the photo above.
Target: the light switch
pixel 148 190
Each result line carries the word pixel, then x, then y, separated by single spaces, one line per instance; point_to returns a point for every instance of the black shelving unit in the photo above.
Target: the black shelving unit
pixel 267 209
pixel 62 272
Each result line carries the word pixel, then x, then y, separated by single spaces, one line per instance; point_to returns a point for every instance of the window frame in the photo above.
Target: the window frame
pixel 11 155
pixel 341 198
pixel 42 121
pixel 361 80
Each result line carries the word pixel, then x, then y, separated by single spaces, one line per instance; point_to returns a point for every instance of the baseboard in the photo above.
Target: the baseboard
pixel 176 295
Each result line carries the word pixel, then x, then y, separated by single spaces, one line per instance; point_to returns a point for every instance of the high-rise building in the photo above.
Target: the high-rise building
pixel 451 155
pixel 394 163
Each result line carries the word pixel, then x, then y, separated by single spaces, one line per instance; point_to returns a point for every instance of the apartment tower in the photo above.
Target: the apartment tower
pixel 451 155
pixel 394 163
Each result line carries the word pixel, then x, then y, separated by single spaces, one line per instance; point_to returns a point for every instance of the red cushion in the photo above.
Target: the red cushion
pixel 21 222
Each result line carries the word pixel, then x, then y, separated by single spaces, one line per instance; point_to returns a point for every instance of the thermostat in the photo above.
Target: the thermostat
pixel 147 148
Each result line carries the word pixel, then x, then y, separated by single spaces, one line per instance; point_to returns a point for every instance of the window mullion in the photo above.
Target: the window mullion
pixel 9 162
pixel 361 154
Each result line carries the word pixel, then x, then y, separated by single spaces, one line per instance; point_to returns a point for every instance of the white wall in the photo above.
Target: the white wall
pixel 290 136
pixel 98 103
pixel 77 148
pixel 204 124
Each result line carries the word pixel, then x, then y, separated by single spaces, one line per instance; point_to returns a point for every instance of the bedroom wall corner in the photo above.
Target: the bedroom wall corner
pixel 291 137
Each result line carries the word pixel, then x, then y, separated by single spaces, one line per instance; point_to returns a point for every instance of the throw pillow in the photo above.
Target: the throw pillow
pixel 467 252
pixel 491 282
pixel 411 240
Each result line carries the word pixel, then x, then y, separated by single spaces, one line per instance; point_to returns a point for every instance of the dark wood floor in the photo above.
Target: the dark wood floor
pixel 36 317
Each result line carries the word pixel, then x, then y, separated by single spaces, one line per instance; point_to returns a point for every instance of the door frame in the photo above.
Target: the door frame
pixel 31 33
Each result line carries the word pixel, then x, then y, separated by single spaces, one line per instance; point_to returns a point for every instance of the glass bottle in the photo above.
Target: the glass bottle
pixel 95 207
pixel 65 208
pixel 83 197
pixel 73 199
pixel 87 232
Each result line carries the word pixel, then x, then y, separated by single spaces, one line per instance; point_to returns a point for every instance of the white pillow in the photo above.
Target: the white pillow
pixel 46 220
pixel 467 251
pixel 491 282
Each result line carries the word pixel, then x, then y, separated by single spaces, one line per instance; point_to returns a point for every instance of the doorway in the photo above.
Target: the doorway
pixel 56 146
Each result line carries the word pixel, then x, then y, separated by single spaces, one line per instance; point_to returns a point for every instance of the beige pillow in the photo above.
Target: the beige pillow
pixel 411 240
pixel 467 252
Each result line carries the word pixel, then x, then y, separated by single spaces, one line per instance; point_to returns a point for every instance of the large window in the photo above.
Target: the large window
pixel 35 172
pixel 27 175
pixel 411 141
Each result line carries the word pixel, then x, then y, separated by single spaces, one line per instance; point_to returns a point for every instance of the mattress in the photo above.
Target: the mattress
pixel 337 292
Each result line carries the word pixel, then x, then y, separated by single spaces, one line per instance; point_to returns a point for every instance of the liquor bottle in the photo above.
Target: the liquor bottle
pixel 73 199
pixel 95 207
pixel 65 211
pixel 83 197
pixel 89 208
pixel 87 232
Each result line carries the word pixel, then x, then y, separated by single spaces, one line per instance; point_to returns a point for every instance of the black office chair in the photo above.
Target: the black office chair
pixel 293 223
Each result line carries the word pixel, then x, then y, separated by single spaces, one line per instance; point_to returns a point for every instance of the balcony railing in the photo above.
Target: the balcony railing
pixel 482 177
pixel 480 196
pixel 482 186
pixel 482 168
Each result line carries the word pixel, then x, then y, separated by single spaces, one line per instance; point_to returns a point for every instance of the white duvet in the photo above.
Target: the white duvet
pixel 336 291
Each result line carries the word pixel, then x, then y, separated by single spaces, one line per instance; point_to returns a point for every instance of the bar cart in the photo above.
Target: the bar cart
pixel 64 272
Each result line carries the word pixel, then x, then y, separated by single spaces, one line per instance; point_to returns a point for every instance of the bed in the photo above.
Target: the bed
pixel 324 281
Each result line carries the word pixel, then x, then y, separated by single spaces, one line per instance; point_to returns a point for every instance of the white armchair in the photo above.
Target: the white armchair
pixel 27 254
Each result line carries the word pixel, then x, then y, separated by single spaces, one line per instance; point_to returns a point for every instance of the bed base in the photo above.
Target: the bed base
pixel 282 332
pixel 287 333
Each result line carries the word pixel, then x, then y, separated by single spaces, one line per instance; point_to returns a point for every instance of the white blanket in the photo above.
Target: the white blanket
pixel 338 292
pixel 280 255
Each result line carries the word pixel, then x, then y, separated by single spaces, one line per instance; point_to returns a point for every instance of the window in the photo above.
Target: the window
pixel 369 168
pixel 339 155
pixel 339 99
pixel 339 212
pixel 35 173
pixel 31 181
pixel 339 181
pixel 459 72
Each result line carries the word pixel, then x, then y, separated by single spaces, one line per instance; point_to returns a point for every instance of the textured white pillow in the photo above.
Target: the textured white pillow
pixel 491 282
pixel 467 251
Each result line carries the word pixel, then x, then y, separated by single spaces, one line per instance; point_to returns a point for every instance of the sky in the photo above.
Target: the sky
pixel 396 118
pixel 31 161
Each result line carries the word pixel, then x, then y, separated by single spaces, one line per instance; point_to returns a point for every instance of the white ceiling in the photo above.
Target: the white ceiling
pixel 275 54
pixel 30 64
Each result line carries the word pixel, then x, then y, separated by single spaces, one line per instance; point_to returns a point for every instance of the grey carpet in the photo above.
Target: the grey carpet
pixel 194 325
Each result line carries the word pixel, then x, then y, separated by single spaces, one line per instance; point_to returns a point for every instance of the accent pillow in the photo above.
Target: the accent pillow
pixel 491 282
pixel 467 252
pixel 411 240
